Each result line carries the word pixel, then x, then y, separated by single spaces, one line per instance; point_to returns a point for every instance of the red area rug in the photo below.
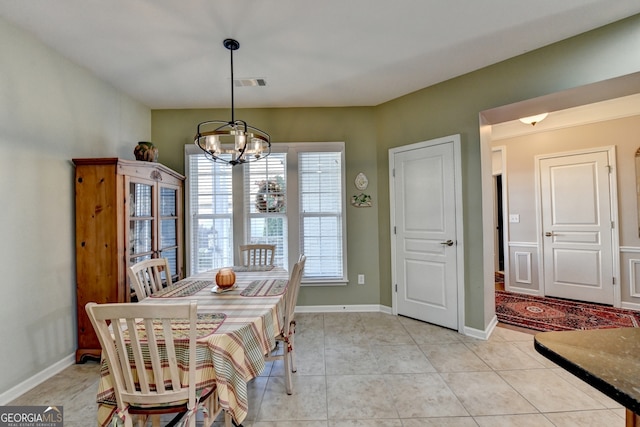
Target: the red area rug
pixel 554 314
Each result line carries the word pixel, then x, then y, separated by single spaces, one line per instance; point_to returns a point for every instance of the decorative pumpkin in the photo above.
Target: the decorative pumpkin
pixel 225 278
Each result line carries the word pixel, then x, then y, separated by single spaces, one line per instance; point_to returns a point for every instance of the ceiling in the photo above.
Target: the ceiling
pixel 169 53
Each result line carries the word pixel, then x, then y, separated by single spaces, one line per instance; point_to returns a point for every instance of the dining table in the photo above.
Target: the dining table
pixel 239 326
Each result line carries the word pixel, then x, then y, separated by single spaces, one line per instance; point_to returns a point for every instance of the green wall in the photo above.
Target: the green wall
pixel 172 129
pixel 451 107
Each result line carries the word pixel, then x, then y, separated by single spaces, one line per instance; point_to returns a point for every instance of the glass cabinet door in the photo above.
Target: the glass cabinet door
pixel 168 230
pixel 141 222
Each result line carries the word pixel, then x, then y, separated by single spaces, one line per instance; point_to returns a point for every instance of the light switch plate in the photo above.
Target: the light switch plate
pixel 514 217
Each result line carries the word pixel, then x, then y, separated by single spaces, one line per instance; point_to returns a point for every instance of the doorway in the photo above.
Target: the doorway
pixel 604 100
pixel 426 235
pixel 578 220
pixel 499 225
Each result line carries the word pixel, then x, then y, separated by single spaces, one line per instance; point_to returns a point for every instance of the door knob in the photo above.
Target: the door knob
pixel 548 234
pixel 448 243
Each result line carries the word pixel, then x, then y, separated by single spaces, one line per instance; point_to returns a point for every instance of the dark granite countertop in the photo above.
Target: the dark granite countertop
pixel 607 359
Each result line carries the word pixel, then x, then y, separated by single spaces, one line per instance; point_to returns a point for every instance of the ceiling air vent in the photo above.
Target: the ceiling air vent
pixel 249 82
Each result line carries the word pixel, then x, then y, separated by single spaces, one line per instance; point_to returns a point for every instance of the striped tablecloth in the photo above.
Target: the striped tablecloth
pixel 235 352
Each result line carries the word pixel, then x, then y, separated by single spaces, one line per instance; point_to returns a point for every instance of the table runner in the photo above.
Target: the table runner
pixel 182 288
pixel 235 352
pixel 261 288
pixel 245 268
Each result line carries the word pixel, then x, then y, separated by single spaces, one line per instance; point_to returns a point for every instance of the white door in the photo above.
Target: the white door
pixel 424 215
pixel 577 226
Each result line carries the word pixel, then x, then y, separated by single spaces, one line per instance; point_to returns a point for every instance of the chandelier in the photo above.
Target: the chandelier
pixel 219 139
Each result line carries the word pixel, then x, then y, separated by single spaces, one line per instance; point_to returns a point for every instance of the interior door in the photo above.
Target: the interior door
pixel 425 263
pixel 577 226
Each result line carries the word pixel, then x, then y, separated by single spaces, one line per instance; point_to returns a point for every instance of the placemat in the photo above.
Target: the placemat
pixel 182 289
pixel 243 268
pixel 265 288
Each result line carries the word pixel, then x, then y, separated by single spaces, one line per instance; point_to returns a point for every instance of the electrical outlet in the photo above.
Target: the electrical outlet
pixel 360 279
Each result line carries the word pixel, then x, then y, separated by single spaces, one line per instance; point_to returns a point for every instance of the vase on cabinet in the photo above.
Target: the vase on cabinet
pixel 146 151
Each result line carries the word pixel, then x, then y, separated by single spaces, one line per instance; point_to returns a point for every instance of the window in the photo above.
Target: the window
pixel 293 199
pixel 321 199
pixel 209 214
pixel 265 204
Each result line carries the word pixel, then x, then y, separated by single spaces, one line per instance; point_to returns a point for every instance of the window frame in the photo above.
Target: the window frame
pixel 293 187
pixel 293 203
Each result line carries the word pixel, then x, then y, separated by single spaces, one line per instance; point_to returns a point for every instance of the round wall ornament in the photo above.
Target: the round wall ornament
pixel 361 181
pixel 269 197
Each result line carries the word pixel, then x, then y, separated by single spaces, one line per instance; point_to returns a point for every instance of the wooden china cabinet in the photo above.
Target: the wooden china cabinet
pixel 126 211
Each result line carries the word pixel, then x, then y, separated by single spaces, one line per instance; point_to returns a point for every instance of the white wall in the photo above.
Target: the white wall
pixel 520 167
pixel 51 110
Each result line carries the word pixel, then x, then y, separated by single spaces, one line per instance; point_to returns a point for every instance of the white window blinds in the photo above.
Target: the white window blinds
pixel 321 216
pixel 293 199
pixel 265 204
pixel 210 214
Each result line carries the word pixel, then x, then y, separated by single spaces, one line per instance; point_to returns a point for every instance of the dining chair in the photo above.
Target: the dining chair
pixel 286 336
pixel 146 277
pixel 146 370
pixel 256 254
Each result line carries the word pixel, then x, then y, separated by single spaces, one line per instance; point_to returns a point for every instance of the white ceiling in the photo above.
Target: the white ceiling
pixel 169 53
pixel 610 109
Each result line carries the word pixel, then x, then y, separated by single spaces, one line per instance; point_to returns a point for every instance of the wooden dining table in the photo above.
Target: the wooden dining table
pixel 232 352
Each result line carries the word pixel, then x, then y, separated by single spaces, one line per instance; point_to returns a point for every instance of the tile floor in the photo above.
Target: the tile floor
pixel 374 369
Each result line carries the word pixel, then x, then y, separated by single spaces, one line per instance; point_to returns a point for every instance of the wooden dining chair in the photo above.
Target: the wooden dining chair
pixel 256 254
pixel 287 334
pixel 146 370
pixel 146 277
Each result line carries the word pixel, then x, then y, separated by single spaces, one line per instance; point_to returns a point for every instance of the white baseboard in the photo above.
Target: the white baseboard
pixel 26 385
pixel 525 291
pixel 358 308
pixel 480 334
pixel 630 306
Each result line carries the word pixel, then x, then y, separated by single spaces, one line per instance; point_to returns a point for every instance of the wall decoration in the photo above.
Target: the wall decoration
pixel 361 181
pixel 269 197
pixel 361 200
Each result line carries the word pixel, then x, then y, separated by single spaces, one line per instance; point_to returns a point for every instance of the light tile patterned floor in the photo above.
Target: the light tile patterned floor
pixel 378 370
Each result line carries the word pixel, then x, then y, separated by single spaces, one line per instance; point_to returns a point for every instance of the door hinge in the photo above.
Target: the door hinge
pixel 613 225
pixel 610 168
pixel 394 230
pixel 393 172
pixel 396 288
pixel 613 281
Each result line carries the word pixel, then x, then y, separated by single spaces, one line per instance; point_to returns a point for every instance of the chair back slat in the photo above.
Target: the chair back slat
pixel 256 254
pixel 174 376
pixel 154 355
pixel 123 378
